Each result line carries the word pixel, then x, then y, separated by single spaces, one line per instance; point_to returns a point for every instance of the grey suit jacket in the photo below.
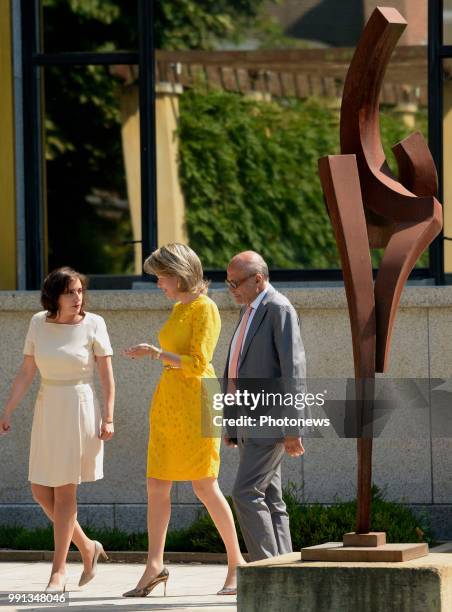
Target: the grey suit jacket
pixel 273 348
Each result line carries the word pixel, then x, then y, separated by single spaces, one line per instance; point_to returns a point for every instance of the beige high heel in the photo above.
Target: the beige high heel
pixel 144 591
pixel 88 576
pixel 52 589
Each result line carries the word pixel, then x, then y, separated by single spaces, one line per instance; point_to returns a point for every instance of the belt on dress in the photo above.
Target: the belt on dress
pixel 171 367
pixel 66 383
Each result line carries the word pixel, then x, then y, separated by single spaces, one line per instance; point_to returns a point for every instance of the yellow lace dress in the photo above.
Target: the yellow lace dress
pixel 178 447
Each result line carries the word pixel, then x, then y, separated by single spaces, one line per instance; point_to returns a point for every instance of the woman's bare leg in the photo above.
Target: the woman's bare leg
pixel 208 491
pixel 64 517
pixel 159 511
pixel 45 498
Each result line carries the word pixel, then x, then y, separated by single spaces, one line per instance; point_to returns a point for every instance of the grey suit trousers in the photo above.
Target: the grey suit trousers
pixel 257 496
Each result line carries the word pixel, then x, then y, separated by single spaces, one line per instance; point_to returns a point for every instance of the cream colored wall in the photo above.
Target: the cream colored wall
pixel 416 471
pixel 170 199
pixel 7 176
pixel 130 135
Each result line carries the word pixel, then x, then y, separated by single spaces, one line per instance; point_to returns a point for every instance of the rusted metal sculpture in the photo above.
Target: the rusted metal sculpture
pixel 370 208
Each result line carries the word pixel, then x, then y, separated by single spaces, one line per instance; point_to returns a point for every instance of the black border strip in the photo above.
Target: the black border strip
pixel 85 59
pixel 435 126
pixel 33 192
pixel 148 170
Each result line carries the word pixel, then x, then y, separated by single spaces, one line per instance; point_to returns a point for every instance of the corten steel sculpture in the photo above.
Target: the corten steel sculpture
pixel 370 208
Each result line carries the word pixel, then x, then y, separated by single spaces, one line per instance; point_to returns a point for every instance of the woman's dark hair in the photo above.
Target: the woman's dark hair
pixel 56 283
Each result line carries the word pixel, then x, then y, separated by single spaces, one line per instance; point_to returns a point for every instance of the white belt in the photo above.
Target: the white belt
pixel 66 383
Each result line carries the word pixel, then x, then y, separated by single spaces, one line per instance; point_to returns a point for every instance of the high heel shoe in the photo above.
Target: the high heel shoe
pixel 88 576
pixel 144 591
pixel 52 589
pixel 227 591
pixel 230 590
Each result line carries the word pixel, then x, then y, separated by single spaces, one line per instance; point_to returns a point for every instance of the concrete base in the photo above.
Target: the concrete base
pixel 337 551
pixel 372 538
pixel 287 583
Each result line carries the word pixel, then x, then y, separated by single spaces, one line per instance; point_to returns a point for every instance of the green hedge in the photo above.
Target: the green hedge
pixel 309 523
pixel 314 523
pixel 249 174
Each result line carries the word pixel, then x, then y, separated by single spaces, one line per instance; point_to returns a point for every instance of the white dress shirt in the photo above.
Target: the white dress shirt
pixel 254 305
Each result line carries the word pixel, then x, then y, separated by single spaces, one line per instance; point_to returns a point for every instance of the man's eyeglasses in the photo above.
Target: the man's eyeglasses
pixel 236 284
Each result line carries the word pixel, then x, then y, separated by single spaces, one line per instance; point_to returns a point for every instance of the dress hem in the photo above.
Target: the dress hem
pixel 62 484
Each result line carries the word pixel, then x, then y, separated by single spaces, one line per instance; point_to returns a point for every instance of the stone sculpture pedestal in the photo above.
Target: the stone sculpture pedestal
pixel 369 546
pixel 289 584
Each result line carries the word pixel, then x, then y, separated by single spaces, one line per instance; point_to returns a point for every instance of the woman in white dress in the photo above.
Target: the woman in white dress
pixel 63 343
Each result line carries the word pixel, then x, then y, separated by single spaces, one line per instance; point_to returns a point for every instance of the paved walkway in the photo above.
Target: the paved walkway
pixel 190 587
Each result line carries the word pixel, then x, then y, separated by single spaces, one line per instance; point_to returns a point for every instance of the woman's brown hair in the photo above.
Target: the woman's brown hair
pixel 56 283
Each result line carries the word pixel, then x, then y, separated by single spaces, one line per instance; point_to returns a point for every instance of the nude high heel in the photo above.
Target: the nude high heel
pixel 52 589
pixel 88 576
pixel 144 591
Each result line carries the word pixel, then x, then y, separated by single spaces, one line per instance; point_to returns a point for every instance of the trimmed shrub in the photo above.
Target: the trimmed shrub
pixel 310 524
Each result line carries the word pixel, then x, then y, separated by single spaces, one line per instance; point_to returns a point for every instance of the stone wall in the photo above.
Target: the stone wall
pixel 412 471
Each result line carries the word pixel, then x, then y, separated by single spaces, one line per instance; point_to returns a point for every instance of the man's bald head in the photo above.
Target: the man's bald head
pixel 250 262
pixel 248 276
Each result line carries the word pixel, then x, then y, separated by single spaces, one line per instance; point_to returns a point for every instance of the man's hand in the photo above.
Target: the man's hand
pixel 293 446
pixel 230 443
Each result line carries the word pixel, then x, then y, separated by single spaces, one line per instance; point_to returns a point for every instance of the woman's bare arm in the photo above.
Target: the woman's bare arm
pixel 107 382
pixel 19 388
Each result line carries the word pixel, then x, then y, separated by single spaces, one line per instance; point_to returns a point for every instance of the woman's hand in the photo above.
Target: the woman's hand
pixel 5 424
pixel 107 431
pixel 154 352
pixel 138 350
pixel 141 350
pixel 19 388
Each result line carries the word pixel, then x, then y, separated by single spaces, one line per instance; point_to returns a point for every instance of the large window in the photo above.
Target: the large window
pixel 203 126
pixel 92 193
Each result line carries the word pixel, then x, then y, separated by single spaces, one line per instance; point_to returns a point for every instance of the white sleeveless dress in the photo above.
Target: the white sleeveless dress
pixel 65 447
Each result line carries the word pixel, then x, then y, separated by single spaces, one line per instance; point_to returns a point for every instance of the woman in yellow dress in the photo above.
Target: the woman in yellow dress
pixel 177 448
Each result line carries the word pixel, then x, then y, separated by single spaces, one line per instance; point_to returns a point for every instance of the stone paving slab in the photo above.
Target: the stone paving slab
pixel 116 556
pixel 190 587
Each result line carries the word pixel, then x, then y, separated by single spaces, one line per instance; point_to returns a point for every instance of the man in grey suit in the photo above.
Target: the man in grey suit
pixel 266 345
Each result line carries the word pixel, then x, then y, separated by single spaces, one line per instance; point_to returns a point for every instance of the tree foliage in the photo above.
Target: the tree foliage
pixel 87 25
pixel 199 24
pixel 250 178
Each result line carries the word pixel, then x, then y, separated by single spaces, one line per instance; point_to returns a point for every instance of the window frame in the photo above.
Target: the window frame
pixel 33 62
